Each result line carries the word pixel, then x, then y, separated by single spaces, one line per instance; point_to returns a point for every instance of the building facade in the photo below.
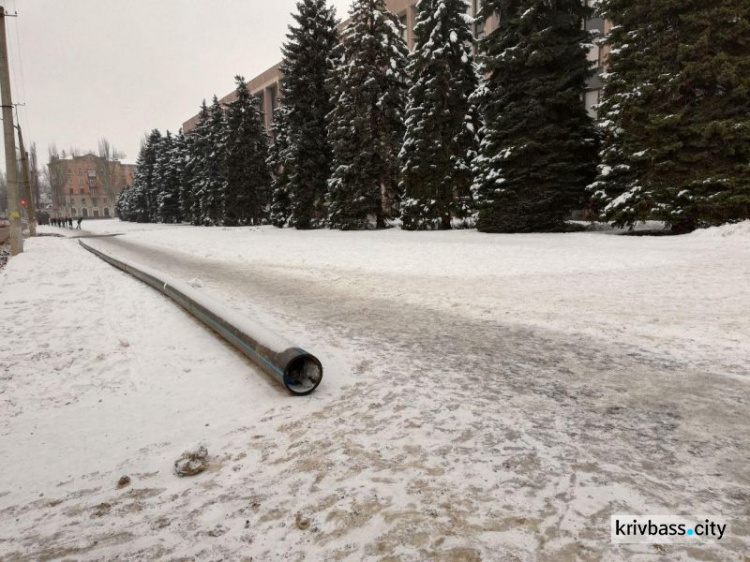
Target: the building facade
pixel 267 86
pixel 87 186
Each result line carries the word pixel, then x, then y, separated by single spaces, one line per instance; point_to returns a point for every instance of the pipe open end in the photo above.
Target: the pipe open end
pixel 303 374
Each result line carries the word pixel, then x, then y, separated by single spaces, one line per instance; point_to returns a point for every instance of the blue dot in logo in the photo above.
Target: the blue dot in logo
pixel 690 531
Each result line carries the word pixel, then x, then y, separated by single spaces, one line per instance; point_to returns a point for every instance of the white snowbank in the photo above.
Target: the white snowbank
pixel 739 229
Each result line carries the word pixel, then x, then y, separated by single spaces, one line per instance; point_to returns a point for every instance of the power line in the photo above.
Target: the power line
pixel 25 112
pixel 17 61
pixel 20 66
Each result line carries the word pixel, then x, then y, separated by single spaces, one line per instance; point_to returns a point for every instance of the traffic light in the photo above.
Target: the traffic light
pixel 23 202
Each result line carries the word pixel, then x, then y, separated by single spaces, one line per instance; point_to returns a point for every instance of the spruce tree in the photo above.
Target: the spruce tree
pixel 441 122
pixel 195 165
pixel 211 181
pixel 538 151
pixel 278 154
pixel 183 171
pixel 168 180
pixel 122 205
pixel 367 124
pixel 247 175
pixel 153 145
pixel 135 199
pixel 676 113
pixel 142 202
pixel 308 102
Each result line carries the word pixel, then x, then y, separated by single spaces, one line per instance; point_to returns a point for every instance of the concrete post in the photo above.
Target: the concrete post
pixel 11 165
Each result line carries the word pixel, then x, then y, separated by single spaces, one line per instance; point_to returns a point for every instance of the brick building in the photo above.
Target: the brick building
pixel 87 186
pixel 266 86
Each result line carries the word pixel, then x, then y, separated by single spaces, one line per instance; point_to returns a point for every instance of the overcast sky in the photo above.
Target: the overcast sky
pixel 118 68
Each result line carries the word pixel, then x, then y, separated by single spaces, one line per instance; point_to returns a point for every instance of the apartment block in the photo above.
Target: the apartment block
pixel 88 186
pixel 266 86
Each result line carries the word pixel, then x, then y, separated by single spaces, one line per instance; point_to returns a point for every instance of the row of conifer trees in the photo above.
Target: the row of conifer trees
pixel 368 132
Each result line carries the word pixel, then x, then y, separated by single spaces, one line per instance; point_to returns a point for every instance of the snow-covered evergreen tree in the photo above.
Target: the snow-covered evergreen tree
pixel 441 121
pixel 142 206
pixel 195 167
pixel 167 179
pixel 211 180
pixel 308 102
pixel 281 205
pixel 153 145
pixel 366 126
pixel 247 175
pixel 183 171
pixel 122 205
pixel 676 113
pixel 539 147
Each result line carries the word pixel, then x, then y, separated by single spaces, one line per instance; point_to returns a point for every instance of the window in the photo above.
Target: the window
pixel 261 107
pixel 405 23
pixel 80 182
pixel 478 27
pixel 71 191
pixel 594 55
pixel 273 98
pixel 591 98
pixel 80 171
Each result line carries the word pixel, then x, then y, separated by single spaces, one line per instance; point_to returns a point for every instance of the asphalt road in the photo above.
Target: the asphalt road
pixel 602 428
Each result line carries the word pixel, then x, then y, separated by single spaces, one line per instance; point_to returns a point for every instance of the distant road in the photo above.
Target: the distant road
pixel 4 234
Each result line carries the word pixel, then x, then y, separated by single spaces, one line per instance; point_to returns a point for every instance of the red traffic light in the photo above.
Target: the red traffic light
pixel 23 202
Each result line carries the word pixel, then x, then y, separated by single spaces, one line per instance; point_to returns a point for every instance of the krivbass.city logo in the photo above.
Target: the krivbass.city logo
pixel 666 529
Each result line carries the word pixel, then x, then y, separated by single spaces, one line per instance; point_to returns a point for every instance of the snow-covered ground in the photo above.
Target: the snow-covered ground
pixel 486 397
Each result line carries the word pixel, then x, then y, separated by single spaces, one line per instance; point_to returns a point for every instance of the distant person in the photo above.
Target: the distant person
pixel 80 220
pixel 70 222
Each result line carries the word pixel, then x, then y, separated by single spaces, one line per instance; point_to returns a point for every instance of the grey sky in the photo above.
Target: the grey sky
pixel 117 68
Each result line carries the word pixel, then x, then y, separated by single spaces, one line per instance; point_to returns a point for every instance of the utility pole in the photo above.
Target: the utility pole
pixel 11 165
pixel 27 194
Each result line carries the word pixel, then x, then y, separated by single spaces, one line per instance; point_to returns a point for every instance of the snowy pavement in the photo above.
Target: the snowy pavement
pixel 485 397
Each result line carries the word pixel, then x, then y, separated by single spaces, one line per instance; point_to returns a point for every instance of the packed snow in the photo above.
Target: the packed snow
pixel 486 397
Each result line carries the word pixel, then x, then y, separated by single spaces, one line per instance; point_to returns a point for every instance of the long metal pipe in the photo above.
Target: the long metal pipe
pixel 299 371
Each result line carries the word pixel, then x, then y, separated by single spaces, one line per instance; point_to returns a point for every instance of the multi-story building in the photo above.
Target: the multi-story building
pixel 266 86
pixel 87 186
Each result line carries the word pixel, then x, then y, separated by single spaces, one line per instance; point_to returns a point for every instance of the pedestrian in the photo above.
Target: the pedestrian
pixel 80 219
pixel 70 222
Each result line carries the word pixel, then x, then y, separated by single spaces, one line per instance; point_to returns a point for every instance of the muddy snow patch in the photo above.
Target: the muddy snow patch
pixel 192 462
